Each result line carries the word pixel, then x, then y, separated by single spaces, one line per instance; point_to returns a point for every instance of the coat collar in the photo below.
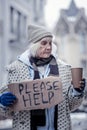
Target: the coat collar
pixel 24 57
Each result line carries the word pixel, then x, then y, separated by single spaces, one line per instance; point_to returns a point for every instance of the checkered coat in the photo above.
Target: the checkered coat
pixel 18 71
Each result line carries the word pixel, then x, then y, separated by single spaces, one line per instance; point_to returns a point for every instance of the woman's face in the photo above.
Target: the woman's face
pixel 45 48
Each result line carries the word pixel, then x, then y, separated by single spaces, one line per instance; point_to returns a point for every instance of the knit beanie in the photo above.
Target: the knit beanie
pixel 36 33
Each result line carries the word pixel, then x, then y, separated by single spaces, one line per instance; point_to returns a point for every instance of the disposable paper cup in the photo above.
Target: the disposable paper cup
pixel 77 74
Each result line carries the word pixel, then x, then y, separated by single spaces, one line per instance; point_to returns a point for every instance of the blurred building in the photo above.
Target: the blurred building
pixel 15 15
pixel 71 36
pixel 37 11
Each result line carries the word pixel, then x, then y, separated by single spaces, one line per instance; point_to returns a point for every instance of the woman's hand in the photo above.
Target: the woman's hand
pixel 81 88
pixel 7 99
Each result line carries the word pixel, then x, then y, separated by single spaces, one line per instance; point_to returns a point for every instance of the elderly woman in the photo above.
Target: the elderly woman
pixel 36 63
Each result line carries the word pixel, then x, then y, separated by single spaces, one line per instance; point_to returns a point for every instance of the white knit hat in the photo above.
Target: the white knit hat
pixel 36 33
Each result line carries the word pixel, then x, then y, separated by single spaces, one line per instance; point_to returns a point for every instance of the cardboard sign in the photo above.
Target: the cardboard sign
pixel 37 94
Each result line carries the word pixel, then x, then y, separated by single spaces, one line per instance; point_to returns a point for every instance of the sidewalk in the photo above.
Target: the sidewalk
pixel 6 129
pixel 6 124
pixel 79 122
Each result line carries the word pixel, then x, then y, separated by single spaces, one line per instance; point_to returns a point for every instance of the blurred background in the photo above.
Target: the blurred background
pixel 67 20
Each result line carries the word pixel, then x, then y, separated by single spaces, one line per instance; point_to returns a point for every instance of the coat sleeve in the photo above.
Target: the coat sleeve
pixel 74 98
pixel 17 72
pixel 12 76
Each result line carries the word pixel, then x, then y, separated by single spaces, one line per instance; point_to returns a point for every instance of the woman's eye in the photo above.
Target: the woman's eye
pixel 44 42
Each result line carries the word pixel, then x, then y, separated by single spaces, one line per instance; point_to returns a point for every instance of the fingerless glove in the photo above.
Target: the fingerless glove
pixel 82 84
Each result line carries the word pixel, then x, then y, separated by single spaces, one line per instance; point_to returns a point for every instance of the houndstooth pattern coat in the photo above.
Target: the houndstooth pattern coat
pixel 19 71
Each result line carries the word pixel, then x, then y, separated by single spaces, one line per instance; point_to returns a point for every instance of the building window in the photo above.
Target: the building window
pixel 82 43
pixel 23 23
pixel 84 65
pixel 13 20
pixel 18 23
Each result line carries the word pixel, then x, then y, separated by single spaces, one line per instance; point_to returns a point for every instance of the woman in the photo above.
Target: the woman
pixel 39 62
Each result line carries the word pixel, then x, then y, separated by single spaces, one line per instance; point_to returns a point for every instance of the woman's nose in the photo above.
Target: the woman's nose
pixel 48 46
